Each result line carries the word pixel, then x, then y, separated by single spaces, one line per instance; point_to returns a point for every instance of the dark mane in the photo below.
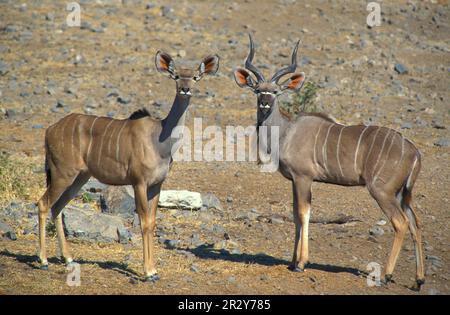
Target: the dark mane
pixel 320 115
pixel 140 113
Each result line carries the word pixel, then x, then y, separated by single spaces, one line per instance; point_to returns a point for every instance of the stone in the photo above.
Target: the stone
pixel 124 235
pixel 4 68
pixel 442 142
pixel 406 125
pixel 180 199
pixel 93 185
pixel 92 226
pixel 275 219
pixel 7 231
pixel 376 231
pixel 210 201
pixel 400 68
pixel 118 200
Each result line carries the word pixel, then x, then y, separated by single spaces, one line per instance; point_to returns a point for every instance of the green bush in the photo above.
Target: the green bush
pixel 303 100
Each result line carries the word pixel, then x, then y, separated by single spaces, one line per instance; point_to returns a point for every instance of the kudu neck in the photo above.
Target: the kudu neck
pixel 175 118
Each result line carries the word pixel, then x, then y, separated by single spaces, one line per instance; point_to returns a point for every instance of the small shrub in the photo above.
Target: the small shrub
pixel 303 100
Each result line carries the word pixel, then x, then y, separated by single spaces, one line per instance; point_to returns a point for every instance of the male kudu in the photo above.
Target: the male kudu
pixel 314 147
pixel 136 151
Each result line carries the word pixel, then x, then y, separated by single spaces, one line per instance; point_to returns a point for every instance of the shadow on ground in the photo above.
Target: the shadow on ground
pixel 207 251
pixel 33 262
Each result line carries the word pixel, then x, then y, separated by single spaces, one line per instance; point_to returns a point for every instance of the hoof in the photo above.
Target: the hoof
pixel 416 287
pixel 153 278
pixel 388 279
pixel 43 267
pixel 296 268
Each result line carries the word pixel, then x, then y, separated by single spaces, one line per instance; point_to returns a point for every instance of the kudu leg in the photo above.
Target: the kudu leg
pixel 57 208
pixel 153 197
pixel 142 208
pixel 51 196
pixel 302 204
pixel 391 207
pixel 416 234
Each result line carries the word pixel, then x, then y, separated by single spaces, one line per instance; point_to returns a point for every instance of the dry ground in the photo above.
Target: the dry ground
pixel 353 64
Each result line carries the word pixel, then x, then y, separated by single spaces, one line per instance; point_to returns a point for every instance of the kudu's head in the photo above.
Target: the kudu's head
pixel 268 91
pixel 185 74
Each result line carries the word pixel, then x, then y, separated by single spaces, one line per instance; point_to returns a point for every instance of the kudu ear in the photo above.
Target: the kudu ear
pixel 209 65
pixel 243 78
pixel 294 83
pixel 164 63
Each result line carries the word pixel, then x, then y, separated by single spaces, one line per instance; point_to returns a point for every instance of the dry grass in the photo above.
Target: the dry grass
pixel 18 180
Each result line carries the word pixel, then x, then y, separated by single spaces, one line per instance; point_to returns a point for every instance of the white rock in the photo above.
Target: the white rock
pixel 180 199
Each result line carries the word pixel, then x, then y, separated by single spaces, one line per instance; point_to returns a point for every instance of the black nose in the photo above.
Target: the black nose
pixel 185 89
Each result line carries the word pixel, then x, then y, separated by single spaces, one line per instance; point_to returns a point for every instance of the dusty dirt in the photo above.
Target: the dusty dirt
pixel 353 64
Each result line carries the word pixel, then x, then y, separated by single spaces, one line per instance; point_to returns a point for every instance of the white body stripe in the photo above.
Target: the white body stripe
pixel 109 140
pixel 118 140
pixel 381 152
pixel 384 162
pixel 72 140
pixel 315 144
pixel 371 146
pixel 357 149
pixel 101 142
pixel 408 182
pixel 90 138
pixel 324 149
pixel 337 151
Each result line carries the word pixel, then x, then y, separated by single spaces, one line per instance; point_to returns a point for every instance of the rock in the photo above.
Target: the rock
pixel 437 124
pixel 381 222
pixel 93 185
pixel 124 235
pixel 435 261
pixel 376 231
pixel 171 244
pixel 7 231
pixel 4 68
pixel 210 201
pixel 118 200
pixel 218 229
pixel 275 219
pixel 406 125
pixel 442 143
pixel 166 11
pixel 180 199
pixel 92 226
pixel 229 199
pixel 124 100
pixel 400 68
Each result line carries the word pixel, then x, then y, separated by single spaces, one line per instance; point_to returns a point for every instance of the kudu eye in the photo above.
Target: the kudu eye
pixel 196 78
pixel 175 76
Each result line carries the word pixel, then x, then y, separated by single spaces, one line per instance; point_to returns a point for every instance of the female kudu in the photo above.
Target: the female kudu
pixel 314 147
pixel 135 151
